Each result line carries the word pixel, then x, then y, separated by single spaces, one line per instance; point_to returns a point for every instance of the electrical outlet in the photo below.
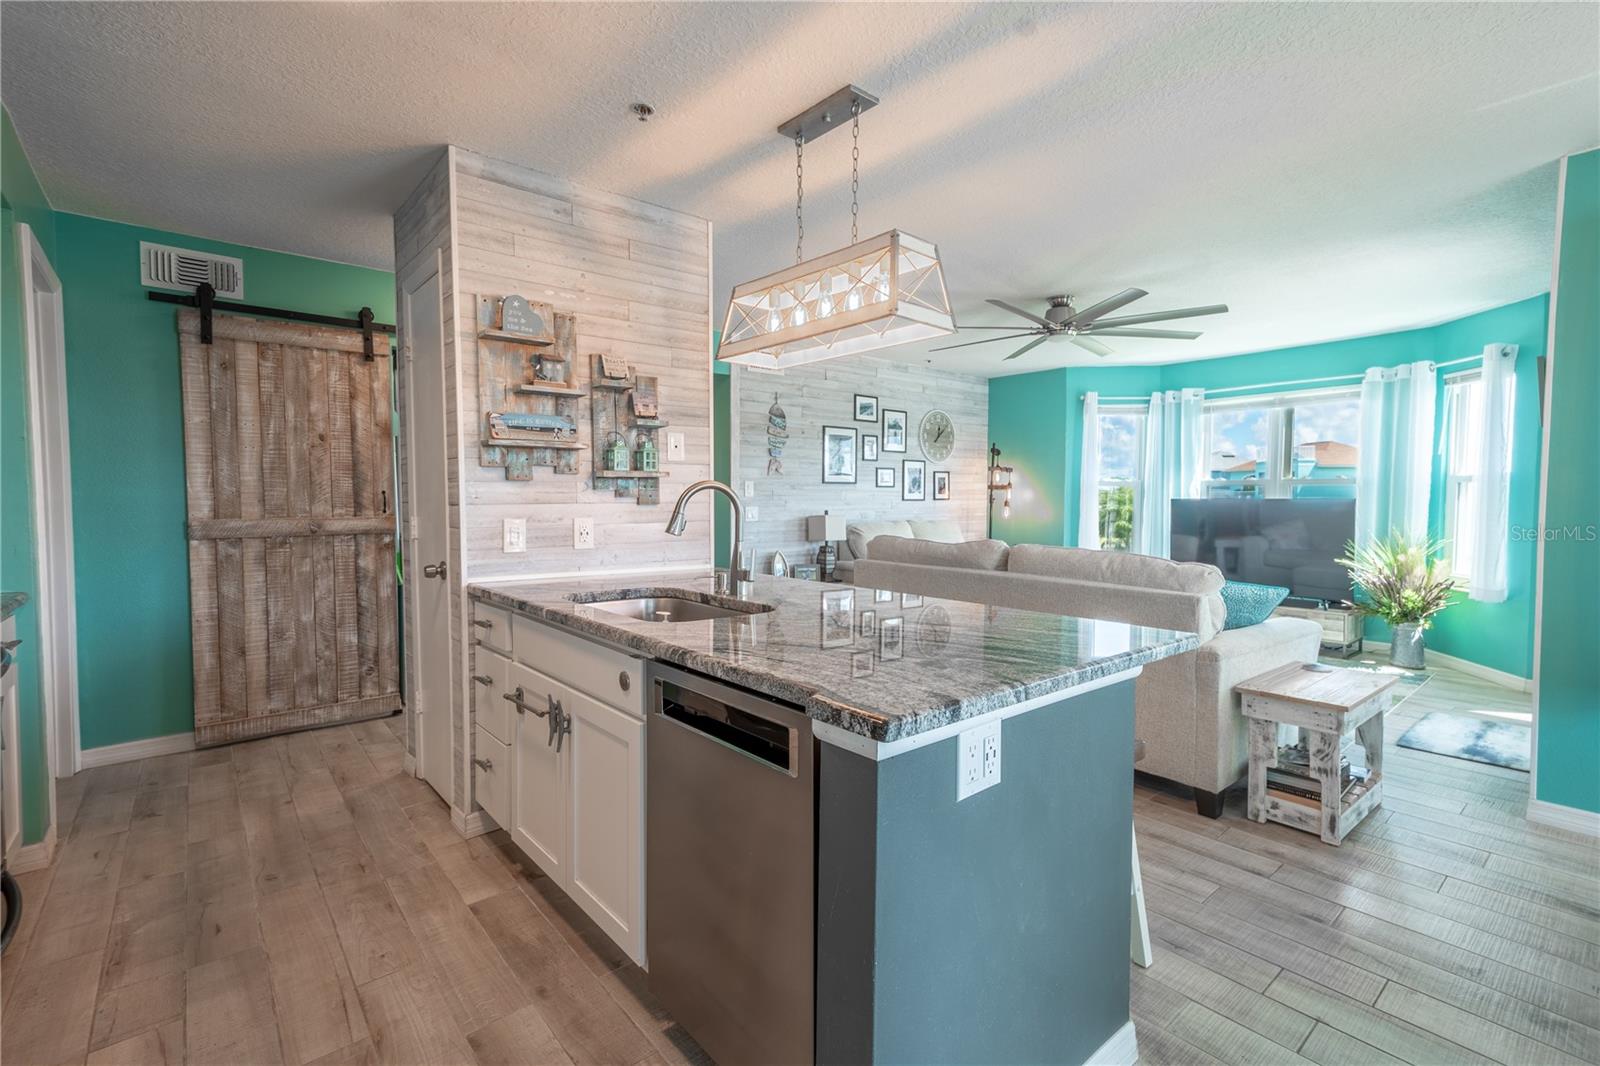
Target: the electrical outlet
pixel 675 447
pixel 583 533
pixel 752 513
pixel 977 759
pixel 749 489
pixel 514 535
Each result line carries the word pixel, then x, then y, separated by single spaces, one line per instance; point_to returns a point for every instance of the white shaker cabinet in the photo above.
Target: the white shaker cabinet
pixel 539 790
pixel 605 826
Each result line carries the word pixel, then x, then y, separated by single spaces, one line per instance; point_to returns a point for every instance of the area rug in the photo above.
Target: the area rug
pixel 1463 736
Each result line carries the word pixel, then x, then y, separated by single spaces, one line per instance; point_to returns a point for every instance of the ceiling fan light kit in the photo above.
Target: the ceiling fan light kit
pixel 874 293
pixel 1061 321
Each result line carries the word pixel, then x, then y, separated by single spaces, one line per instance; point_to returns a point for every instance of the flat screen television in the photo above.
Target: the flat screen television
pixel 1292 543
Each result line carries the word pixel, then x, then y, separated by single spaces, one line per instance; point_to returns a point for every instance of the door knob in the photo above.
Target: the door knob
pixel 439 569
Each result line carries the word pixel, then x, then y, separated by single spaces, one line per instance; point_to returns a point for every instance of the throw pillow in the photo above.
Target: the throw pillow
pixel 1250 604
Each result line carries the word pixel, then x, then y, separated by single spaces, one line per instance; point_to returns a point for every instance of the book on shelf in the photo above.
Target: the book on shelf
pixel 1311 788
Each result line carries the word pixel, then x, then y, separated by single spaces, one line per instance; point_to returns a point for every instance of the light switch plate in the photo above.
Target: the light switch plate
pixel 514 535
pixel 977 759
pixel 675 447
pixel 583 533
pixel 749 489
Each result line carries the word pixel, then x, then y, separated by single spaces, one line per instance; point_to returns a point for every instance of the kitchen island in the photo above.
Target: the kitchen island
pixel 814 828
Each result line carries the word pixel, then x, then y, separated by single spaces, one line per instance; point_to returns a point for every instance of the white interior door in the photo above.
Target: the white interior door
pixel 422 319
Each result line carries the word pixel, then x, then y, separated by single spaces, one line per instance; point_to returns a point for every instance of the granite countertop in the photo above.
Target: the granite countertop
pixel 921 664
pixel 11 602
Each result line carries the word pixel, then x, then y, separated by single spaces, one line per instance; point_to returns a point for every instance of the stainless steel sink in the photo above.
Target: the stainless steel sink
pixel 674 609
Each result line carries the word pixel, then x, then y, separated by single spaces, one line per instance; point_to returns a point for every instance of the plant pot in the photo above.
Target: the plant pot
pixel 1407 646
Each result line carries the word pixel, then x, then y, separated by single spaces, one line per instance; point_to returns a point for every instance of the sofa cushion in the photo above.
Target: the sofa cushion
pixel 967 555
pixel 1250 604
pixel 1115 568
pixel 857 535
pixel 941 530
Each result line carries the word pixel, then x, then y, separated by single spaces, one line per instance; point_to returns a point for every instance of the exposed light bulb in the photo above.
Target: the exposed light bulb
pixel 799 314
pixel 774 322
pixel 853 301
pixel 825 307
pixel 1005 509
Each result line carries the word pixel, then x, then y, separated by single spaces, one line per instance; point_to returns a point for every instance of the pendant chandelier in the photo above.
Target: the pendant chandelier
pixel 874 293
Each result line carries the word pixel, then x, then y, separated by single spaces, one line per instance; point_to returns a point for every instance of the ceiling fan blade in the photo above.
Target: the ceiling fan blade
pixel 1029 315
pixel 1162 316
pixel 1026 348
pixel 986 340
pixel 1092 345
pixel 963 329
pixel 1106 306
pixel 1167 334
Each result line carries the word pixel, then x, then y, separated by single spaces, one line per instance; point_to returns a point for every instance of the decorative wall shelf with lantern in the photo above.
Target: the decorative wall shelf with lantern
pixel 527 387
pixel 626 414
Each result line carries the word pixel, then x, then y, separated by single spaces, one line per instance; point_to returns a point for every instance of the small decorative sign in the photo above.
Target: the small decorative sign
pixel 644 398
pixel 613 367
pixel 516 316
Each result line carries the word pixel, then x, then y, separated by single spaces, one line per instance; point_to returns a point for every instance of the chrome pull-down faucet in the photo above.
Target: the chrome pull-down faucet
pixel 736 579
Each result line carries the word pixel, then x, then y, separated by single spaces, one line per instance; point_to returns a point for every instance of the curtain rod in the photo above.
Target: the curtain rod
pixel 1285 384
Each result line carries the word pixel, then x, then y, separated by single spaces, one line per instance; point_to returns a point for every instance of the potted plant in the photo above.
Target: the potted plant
pixel 1400 581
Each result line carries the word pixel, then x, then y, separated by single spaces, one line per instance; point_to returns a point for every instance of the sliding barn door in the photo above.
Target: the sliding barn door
pixel 288 455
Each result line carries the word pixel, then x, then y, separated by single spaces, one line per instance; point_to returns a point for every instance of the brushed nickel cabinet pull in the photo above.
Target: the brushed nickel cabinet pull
pixel 624 680
pixel 483 764
pixel 483 679
pixel 483 623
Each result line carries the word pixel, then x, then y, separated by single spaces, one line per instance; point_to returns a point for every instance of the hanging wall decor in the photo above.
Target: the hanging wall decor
pixel 629 462
pixel 777 437
pixel 527 387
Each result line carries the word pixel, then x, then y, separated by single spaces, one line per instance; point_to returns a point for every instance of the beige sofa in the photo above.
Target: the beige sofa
pixel 1187 713
pixel 857 535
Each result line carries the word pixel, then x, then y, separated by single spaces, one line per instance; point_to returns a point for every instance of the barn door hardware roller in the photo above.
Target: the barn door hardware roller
pixel 205 299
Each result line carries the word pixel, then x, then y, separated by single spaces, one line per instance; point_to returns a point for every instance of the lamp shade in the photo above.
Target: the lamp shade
pixel 825 527
pixel 882 291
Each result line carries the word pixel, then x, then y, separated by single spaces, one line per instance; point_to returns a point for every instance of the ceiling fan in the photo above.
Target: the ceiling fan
pixel 1061 321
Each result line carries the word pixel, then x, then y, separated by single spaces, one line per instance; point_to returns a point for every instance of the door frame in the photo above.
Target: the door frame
pixel 428 267
pixel 51 461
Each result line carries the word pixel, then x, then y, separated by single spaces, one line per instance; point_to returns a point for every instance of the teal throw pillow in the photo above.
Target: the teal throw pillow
pixel 1249 604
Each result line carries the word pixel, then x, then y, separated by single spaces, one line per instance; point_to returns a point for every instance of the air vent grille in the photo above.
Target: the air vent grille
pixel 164 267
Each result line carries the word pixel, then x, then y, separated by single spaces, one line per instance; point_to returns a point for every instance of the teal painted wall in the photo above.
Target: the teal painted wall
pixel 126 424
pixel 1029 418
pixel 1500 635
pixel 1569 670
pixel 22 201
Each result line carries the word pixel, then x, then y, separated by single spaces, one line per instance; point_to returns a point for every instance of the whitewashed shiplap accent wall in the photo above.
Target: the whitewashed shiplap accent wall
pixel 824 394
pixel 637 277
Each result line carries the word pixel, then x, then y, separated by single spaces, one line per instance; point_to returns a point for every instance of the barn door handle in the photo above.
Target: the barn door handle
pixel 383 495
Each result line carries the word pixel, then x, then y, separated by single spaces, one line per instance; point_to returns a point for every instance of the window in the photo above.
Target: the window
pixel 1121 442
pixel 1300 445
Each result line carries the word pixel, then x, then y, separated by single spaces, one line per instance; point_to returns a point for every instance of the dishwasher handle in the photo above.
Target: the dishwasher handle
pixel 765 738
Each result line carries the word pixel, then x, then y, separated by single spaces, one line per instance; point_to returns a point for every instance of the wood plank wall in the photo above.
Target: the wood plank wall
pixel 637 276
pixel 824 394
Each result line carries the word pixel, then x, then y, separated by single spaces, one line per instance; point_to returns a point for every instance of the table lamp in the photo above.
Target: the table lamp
pixel 826 528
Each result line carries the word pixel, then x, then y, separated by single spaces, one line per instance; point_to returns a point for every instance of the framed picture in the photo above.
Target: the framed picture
pixel 866 408
pixel 869 447
pixel 867 628
pixel 941 484
pixel 891 639
pixel 838 618
pixel 885 477
pixel 910 599
pixel 894 430
pixel 838 455
pixel 805 572
pixel 861 664
pixel 882 595
pixel 912 482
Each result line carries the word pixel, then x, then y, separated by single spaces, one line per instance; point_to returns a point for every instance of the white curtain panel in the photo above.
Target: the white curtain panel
pixel 1089 475
pixel 1394 472
pixel 1492 478
pixel 1172 464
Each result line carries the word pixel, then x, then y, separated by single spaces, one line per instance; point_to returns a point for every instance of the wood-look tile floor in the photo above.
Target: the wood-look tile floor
pixel 301 900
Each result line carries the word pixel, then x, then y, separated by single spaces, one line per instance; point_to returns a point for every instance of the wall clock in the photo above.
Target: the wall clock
pixel 938 435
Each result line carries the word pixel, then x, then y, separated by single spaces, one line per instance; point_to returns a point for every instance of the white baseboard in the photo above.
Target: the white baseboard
pixel 1466 666
pixel 33 856
pixel 472 825
pixel 1121 1050
pixel 136 749
pixel 1558 817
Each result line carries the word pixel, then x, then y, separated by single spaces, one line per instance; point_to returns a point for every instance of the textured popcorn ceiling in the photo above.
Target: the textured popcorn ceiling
pixel 1327 169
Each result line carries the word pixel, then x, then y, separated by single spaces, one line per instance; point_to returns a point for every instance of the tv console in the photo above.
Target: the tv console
pixel 1341 625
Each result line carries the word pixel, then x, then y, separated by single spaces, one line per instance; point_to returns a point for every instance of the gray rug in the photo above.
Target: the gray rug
pixel 1464 736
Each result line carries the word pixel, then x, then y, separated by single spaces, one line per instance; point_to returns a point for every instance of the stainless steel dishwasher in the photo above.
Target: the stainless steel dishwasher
pixel 731 868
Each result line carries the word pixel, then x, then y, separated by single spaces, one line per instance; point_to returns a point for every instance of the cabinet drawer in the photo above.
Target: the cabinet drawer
pixel 492 627
pixel 491 776
pixel 606 675
pixel 490 682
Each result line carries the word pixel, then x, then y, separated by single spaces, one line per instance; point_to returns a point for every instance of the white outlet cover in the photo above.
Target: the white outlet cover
pixel 752 513
pixel 583 533
pixel 514 535
pixel 977 759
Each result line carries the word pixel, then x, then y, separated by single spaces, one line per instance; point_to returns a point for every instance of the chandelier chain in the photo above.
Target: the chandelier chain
pixel 799 196
pixel 855 168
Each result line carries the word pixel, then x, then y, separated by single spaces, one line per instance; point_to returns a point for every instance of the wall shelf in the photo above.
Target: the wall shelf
pixel 546 349
pixel 608 383
pixel 542 389
pixel 553 445
pixel 629 475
